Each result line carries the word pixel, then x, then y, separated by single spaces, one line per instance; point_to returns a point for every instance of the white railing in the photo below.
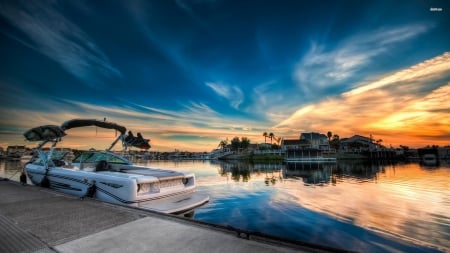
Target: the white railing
pixel 268 152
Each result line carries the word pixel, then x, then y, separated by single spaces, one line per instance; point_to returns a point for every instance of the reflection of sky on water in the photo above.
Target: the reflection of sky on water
pixel 363 207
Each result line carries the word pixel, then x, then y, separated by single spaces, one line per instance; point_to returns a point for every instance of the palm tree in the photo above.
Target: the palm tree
pixel 265 136
pixel 278 140
pixel 329 134
pixel 271 136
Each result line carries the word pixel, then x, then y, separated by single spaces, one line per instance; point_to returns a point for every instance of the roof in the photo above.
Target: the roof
pixel 312 136
pixel 356 138
pixel 295 142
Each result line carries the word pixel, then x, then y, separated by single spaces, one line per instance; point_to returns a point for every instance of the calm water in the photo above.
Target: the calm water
pixel 356 206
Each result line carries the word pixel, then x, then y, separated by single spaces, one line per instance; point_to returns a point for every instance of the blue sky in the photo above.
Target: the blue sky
pixel 188 74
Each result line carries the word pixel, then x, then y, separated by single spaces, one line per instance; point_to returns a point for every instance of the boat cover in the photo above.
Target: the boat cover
pixel 92 122
pixel 44 133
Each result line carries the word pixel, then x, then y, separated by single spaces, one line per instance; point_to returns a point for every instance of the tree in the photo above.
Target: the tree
pixel 335 142
pixel 278 140
pixel 265 136
pixel 271 136
pixel 223 143
pixel 329 134
pixel 245 142
pixel 379 141
pixel 235 143
pixel 405 148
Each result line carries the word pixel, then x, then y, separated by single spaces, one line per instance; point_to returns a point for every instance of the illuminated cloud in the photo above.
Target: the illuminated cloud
pixel 191 73
pixel 322 68
pixel 394 108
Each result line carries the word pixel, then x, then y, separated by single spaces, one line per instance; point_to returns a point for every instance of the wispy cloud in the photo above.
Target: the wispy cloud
pixel 49 32
pixel 407 107
pixel 426 70
pixel 232 93
pixel 322 67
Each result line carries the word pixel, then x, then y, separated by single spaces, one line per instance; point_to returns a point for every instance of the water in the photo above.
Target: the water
pixel 355 206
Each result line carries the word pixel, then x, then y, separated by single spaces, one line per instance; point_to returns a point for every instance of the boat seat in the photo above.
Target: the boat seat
pixel 102 166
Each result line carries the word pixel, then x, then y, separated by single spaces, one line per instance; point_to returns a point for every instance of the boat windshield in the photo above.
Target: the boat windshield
pixel 56 155
pixel 91 157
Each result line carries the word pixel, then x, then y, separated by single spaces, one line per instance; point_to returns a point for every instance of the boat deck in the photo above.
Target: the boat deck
pixel 34 219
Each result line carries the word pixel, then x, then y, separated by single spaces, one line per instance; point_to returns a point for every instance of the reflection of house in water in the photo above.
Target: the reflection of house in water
pixel 268 166
pixel 429 156
pixel 359 171
pixel 15 152
pixel 323 173
pixel 311 173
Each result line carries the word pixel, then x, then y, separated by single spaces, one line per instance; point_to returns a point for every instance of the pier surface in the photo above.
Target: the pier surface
pixel 35 219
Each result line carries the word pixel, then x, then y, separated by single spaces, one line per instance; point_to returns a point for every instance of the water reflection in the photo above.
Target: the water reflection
pixel 11 169
pixel 310 173
pixel 244 171
pixel 353 205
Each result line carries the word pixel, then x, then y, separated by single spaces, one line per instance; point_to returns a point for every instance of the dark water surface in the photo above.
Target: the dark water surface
pixel 351 205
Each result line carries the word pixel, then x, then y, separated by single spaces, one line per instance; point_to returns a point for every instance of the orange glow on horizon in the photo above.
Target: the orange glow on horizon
pixel 409 107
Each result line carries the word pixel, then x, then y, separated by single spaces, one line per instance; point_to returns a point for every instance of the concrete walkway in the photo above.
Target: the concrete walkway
pixel 34 219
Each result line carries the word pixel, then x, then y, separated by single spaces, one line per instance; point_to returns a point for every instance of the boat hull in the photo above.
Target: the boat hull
pixel 116 188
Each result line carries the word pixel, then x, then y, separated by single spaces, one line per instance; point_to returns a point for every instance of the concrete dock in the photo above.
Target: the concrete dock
pixel 35 219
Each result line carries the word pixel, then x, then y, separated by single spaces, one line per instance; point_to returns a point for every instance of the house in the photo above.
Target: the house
pixel 15 151
pixel 263 146
pixel 357 143
pixel 317 140
pixel 294 144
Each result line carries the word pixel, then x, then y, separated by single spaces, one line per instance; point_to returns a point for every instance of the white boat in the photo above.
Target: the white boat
pixel 109 177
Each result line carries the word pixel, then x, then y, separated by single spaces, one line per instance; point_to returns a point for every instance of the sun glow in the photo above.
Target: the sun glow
pixel 393 108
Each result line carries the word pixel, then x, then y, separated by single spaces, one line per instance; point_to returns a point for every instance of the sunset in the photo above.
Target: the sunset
pixel 214 70
pixel 232 125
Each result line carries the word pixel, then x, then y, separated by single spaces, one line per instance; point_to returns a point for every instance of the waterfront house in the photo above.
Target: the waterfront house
pixel 263 146
pixel 317 140
pixel 294 144
pixel 357 143
pixel 15 151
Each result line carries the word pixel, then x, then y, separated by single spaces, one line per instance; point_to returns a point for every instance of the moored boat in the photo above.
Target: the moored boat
pixel 107 176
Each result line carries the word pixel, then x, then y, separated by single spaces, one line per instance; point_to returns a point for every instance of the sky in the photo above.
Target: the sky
pixel 188 74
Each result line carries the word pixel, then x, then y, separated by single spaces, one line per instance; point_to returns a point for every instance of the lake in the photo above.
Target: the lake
pixel 351 205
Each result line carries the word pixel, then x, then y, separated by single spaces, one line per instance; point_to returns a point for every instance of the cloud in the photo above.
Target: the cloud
pixel 56 37
pixel 407 107
pixel 232 93
pixel 322 68
pixel 424 70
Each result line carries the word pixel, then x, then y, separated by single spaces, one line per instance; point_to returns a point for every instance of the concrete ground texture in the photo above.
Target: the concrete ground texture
pixel 35 219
